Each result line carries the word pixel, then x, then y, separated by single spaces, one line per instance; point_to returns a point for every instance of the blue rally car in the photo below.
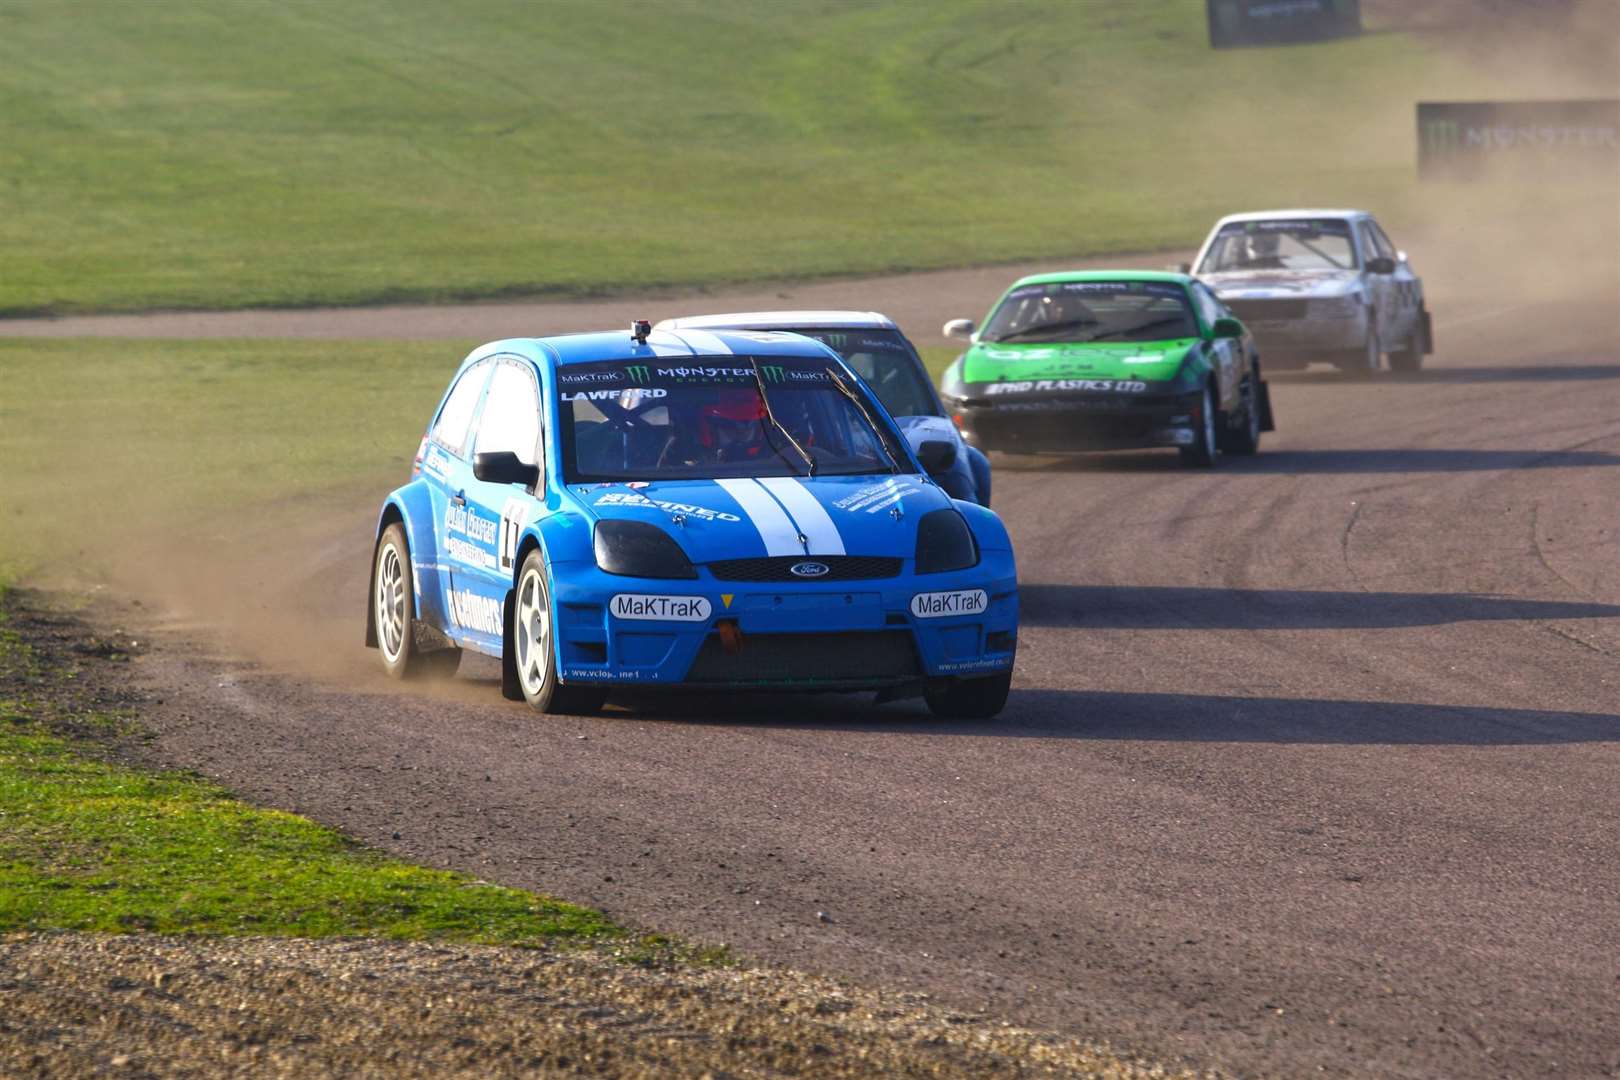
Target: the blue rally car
pixel 716 510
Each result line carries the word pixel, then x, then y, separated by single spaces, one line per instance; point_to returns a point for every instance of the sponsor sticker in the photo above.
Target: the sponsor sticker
pixel 474 612
pixel 660 608
pixel 634 498
pixel 1036 386
pixel 939 605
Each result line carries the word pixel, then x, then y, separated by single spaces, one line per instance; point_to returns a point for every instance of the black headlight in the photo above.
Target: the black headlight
pixel 640 549
pixel 944 542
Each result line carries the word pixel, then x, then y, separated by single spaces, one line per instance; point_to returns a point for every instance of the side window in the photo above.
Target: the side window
pixel 511 416
pixel 1385 248
pixel 1209 308
pixel 450 429
pixel 1369 242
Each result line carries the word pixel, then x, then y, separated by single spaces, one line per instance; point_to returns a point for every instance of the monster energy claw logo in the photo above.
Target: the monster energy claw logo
pixel 772 373
pixel 1442 136
pixel 637 373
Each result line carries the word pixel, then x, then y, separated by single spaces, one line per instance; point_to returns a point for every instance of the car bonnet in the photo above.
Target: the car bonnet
pixel 752 518
pixel 1076 362
pixel 1281 284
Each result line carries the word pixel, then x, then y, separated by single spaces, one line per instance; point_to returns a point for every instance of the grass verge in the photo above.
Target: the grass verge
pixel 87 843
pixel 170 154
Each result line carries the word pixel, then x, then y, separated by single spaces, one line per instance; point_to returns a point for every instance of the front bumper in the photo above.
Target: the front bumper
pixel 1080 422
pixel 868 634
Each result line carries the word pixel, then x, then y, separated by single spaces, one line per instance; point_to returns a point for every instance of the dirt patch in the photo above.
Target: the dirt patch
pixel 82 1005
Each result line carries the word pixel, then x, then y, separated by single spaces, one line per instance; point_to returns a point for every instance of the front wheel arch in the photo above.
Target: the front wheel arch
pixel 390 516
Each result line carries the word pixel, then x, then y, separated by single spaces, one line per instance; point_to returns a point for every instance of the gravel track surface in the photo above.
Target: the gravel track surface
pixel 79 1005
pixel 1309 766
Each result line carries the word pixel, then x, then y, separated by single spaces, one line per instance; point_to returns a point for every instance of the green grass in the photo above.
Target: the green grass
pixel 88 844
pixel 102 437
pixel 304 152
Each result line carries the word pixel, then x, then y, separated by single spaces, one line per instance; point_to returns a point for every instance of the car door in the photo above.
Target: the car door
pixel 1226 354
pixel 1405 288
pixel 1379 287
pixel 493 516
pixel 447 469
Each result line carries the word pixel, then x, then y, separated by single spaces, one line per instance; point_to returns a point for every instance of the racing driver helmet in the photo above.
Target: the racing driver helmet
pixel 730 425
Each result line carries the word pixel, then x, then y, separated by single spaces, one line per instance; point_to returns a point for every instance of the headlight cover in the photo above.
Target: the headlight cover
pixel 640 549
pixel 944 542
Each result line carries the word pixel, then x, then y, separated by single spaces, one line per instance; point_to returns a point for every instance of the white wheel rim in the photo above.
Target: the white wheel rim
pixel 531 633
pixel 391 617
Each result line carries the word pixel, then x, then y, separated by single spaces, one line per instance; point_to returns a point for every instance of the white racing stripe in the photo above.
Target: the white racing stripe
pixel 780 537
pixel 812 519
pixel 703 342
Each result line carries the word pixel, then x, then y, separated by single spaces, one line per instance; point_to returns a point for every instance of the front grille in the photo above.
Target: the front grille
pixel 829 661
pixel 780 568
pixel 1268 310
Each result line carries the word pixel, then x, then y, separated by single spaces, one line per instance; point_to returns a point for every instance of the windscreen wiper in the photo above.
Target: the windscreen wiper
pixel 1061 324
pixel 865 410
pixel 765 399
pixel 1139 327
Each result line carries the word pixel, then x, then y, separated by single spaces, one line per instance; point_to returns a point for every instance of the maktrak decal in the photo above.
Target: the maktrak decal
pixel 661 608
pixel 937 605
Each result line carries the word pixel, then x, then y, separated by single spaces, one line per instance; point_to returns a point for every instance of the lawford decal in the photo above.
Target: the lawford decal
pixel 661 608
pixel 935 605
pixel 1123 386
pixel 476 612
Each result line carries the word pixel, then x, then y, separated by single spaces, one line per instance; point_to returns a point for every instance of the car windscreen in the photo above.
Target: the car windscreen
pixel 888 364
pixel 1086 311
pixel 722 416
pixel 1293 244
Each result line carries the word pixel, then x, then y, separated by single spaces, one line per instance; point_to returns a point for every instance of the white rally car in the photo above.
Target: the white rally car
pixel 1319 286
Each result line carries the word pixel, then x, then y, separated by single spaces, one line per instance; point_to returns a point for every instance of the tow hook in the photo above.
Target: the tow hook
pixel 731 637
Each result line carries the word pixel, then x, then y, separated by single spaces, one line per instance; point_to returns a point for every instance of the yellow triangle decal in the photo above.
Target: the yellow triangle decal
pixel 725 598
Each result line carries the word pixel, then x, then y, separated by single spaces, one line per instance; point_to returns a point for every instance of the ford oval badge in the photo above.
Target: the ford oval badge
pixel 808 569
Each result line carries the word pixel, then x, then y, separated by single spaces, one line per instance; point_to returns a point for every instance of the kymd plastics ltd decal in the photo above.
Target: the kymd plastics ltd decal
pixel 661 608
pixel 938 605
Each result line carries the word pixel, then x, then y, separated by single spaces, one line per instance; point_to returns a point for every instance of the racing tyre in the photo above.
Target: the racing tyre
pixel 529 655
pixel 1245 440
pixel 1409 357
pixel 391 590
pixel 1365 361
pixel 1201 454
pixel 969 699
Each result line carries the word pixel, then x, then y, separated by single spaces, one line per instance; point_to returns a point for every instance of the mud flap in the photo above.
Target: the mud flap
pixel 511 689
pixel 1428 333
pixel 1266 422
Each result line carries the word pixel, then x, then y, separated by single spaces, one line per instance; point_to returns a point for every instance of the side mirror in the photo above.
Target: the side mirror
pixel 503 467
pixel 1227 328
pixel 958 328
pixel 1383 264
pixel 936 456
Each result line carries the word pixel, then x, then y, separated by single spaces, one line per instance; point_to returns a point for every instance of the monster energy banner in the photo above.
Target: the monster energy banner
pixel 1266 22
pixel 1463 138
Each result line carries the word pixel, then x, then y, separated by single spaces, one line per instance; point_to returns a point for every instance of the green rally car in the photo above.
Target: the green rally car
pixel 1108 360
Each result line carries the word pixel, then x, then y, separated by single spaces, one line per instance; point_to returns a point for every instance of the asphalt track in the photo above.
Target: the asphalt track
pixel 1310 765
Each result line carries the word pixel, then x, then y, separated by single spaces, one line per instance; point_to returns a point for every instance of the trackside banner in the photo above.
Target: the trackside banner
pixel 1465 138
pixel 1267 22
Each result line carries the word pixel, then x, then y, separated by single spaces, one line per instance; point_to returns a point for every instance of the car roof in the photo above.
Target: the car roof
pixel 1274 215
pixel 829 320
pixel 584 348
pixel 1059 277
